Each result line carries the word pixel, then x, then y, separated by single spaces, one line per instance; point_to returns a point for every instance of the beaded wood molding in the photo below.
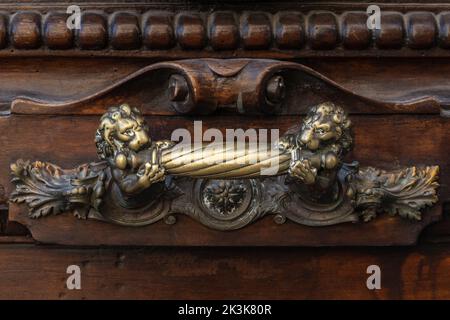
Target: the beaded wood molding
pixel 285 34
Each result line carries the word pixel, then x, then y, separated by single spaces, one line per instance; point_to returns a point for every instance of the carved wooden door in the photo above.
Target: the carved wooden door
pixel 231 139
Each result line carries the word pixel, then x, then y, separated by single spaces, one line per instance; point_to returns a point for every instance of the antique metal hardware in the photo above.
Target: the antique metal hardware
pixel 140 181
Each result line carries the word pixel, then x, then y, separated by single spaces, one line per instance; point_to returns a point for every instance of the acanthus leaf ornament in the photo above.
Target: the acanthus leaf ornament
pixel 400 192
pixel 48 189
pixel 139 181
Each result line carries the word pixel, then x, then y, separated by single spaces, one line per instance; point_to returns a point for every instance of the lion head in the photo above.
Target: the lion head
pixel 325 124
pixel 122 129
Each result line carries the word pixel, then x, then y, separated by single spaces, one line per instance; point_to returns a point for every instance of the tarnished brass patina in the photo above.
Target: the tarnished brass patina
pixel 303 178
pixel 123 141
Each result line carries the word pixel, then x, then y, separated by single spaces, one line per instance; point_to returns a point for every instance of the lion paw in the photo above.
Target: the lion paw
pixel 303 171
pixel 151 173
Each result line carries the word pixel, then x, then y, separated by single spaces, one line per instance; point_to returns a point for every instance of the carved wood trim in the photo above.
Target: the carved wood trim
pixel 299 32
pixel 237 85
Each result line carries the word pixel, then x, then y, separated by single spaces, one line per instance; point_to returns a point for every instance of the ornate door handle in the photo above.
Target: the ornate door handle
pixel 140 181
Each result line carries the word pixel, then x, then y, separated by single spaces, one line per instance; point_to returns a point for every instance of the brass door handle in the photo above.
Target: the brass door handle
pixel 302 177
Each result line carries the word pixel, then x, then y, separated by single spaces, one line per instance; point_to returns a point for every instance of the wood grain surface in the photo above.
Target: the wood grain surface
pixel 39 272
pixel 388 81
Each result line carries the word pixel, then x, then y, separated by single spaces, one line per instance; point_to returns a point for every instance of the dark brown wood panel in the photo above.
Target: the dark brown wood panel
pixel 67 230
pixel 39 272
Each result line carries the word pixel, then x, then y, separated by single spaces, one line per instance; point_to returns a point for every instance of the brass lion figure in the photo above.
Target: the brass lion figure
pixel 325 126
pixel 123 141
pixel 318 148
pixel 130 161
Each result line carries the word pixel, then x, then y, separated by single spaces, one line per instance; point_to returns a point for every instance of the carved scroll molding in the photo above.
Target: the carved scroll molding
pixel 296 30
pixel 246 86
pixel 141 181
